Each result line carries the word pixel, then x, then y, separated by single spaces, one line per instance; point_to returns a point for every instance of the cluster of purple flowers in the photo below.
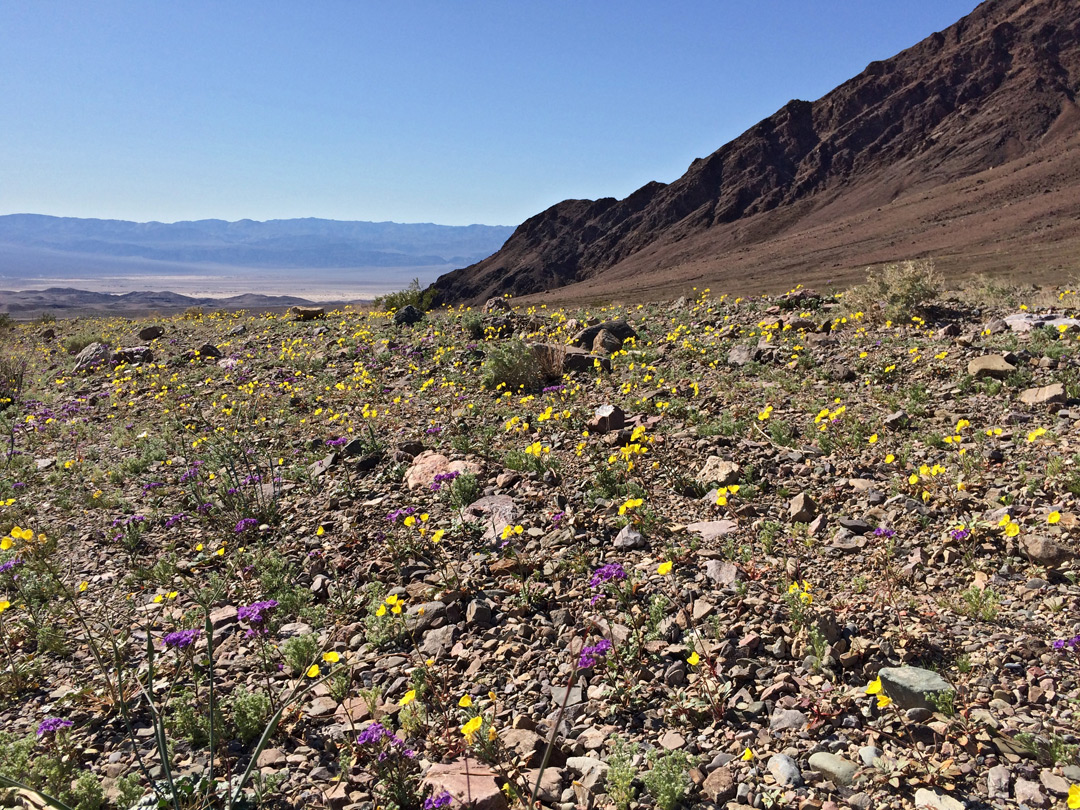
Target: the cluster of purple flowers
pixel 591 656
pixel 443 478
pixel 376 734
pixel 180 639
pixel 245 524
pixel 257 615
pixel 435 802
pixel 10 565
pixel 959 534
pixel 398 514
pixel 340 442
pixel 129 521
pixel 172 520
pixel 557 518
pixel 51 725
pixel 612 572
pixel 881 531
pixel 191 473
pixel 151 486
pixel 1067 643
pixel 433 430
pixel 552 389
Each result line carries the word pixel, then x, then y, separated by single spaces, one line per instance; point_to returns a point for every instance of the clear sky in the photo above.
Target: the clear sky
pixel 453 112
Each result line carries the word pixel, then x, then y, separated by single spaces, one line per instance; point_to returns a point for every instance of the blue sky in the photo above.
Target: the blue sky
pixel 453 112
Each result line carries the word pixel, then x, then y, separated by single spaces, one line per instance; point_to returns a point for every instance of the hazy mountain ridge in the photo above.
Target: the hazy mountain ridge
pixel 876 170
pixel 314 243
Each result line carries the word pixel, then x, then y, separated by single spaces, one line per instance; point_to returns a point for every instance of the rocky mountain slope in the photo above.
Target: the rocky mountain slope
pixel 964 147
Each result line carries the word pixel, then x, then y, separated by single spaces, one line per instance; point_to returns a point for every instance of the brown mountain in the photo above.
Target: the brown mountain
pixel 965 147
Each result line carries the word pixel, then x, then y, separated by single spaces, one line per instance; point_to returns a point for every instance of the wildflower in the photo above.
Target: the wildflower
pixel 331 657
pixel 313 671
pixel 10 565
pixel 1073 800
pixel 664 568
pixel 465 702
pixel 883 700
pixel 873 438
pixel 1053 517
pixel 959 534
pixel 51 725
pixel 765 414
pixel 590 656
pixel 630 504
pixel 472 727
pixel 694 659
pixel 1035 434
pixel 511 530
pixel 874 687
pixel 4 605
pixel 374 733
pixel 181 639
pixel 747 755
pixel 612 572
pixel 257 615
pixel 409 697
pixel 245 524
pixel 883 532
pixel 435 802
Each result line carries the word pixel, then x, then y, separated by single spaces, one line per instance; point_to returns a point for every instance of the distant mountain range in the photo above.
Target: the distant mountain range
pixel 964 148
pixel 31 242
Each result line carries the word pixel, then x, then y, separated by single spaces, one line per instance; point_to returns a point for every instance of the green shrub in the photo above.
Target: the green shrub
pixel 621 774
pixel 464 490
pixel 301 651
pixel 411 296
pixel 250 712
pixel 473 325
pixel 511 365
pixel 668 780
pixel 76 343
pixel 896 292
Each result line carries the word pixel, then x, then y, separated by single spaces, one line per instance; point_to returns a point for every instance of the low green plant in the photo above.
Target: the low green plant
pixel 509 365
pixel 621 774
pixel 668 777
pixel 76 343
pixel 979 603
pixel 412 296
pixel 464 490
pixel 896 292
pixel 301 651
pixel 250 711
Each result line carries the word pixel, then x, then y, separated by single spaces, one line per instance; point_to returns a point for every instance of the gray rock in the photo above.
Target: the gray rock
pixel 723 573
pixel 151 333
pixel 606 343
pixel 719 472
pixel 421 618
pixel 620 329
pixel 719 785
pixel 135 354
pixel 787 719
pixel 607 418
pixel 408 315
pixel 629 538
pixel 1054 783
pixel 909 686
pixel 479 613
pixel 839 771
pixel 1030 793
pixel 990 365
pixel 93 357
pixel 784 770
pixel 1046 395
pixel 209 350
pixel 998 779
pixel 743 354
pixel 802 508
pixel 868 753
pixel 712 529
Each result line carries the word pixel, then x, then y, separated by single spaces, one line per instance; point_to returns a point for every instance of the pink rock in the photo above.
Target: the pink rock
pixel 429 464
pixel 469 782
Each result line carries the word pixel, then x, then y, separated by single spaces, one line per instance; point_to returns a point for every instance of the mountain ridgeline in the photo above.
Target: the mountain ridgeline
pixel 964 147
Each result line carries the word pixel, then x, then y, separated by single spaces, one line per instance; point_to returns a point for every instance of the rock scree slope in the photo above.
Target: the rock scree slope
pixel 964 147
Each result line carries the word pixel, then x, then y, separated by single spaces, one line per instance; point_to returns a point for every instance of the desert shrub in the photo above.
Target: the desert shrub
pixel 511 364
pixel 412 296
pixel 473 325
pixel 6 321
pixel 250 712
pixel 12 379
pixel 76 343
pixel 896 292
pixel 192 313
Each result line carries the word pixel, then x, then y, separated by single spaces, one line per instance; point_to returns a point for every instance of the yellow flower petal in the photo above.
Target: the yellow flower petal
pixel 472 727
pixel 664 569
pixel 4 605
pixel 465 702
pixel 83 586
pixel 883 701
pixel 1053 517
pixel 874 687
pixel 1073 801
pixel 6 543
pixel 331 657
pixel 409 697
pixel 747 755
pixel 694 659
pixel 313 671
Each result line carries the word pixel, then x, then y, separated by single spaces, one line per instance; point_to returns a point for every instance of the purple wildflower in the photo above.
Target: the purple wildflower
pixel 172 520
pixel 152 485
pixel 959 534
pixel 245 524
pixel 181 638
pixel 436 802
pixel 10 565
pixel 434 429
pixel 590 656
pixel 337 442
pixel 612 572
pixel 1067 643
pixel 881 531
pixel 257 615
pixel 50 725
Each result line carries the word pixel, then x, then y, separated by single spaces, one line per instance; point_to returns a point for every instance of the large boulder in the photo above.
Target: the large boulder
pixel 151 333
pixel 307 313
pixel 990 365
pixel 135 354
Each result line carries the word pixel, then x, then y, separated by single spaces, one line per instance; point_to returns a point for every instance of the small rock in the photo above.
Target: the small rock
pixel 839 771
pixel 719 786
pixel 471 784
pixel 607 418
pixel 307 313
pixel 719 472
pixel 723 573
pixel 936 801
pixel 784 770
pixel 802 508
pixel 990 365
pixel 1044 551
pixel 1030 793
pixel 786 719
pixel 93 357
pixel 998 779
pixel 629 538
pixel 743 355
pixel 868 753
pixel 672 741
pixel 151 333
pixel 408 315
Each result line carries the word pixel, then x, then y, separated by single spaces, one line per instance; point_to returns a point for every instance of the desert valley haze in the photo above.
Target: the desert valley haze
pixel 754 489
